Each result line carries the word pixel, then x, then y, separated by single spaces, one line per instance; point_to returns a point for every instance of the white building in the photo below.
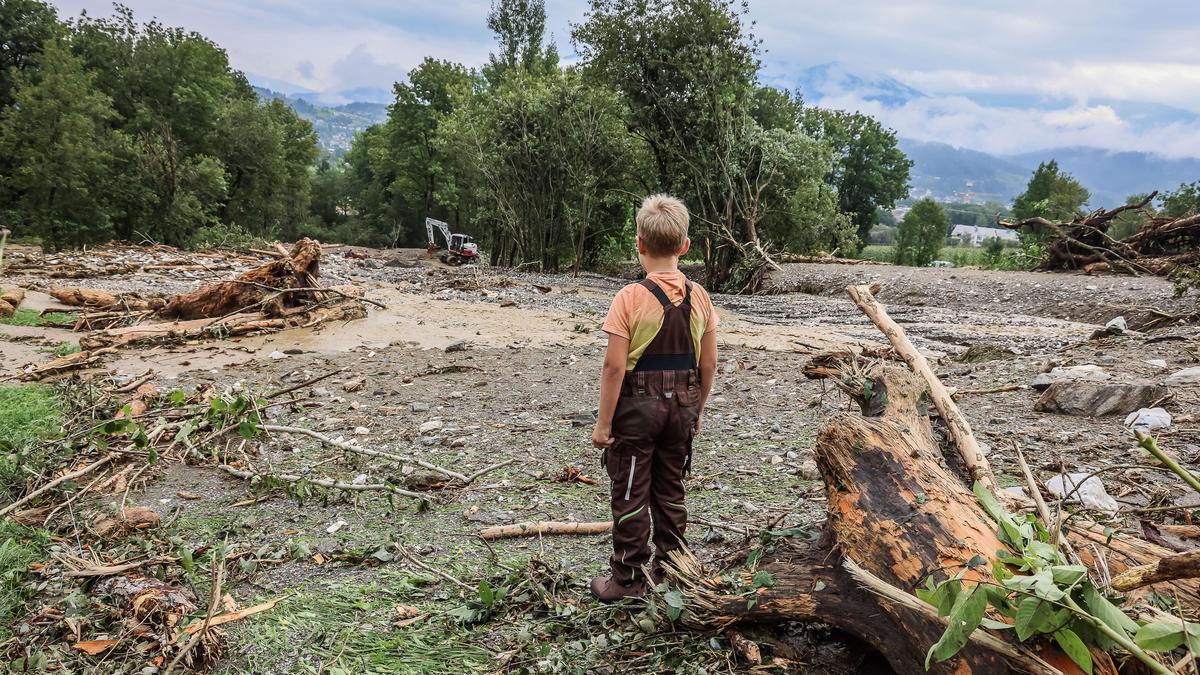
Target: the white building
pixel 974 235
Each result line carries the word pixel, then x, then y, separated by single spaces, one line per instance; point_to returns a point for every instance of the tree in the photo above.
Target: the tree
pixel 520 27
pixel 1182 202
pixel 25 26
pixel 922 233
pixel 1051 194
pixel 868 169
pixel 1128 222
pixel 56 137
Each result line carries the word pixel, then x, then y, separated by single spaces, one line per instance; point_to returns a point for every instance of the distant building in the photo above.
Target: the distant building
pixel 974 235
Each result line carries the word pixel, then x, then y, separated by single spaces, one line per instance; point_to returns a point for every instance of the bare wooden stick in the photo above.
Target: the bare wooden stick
pixel 1184 565
pixel 368 451
pixel 489 469
pixel 432 570
pixel 960 430
pixel 113 570
pixel 59 481
pixel 308 382
pixel 541 527
pixel 324 482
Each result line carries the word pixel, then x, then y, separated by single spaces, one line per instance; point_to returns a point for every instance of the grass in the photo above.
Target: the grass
pixel 29 317
pixel 66 348
pixel 960 256
pixel 19 547
pixel 29 413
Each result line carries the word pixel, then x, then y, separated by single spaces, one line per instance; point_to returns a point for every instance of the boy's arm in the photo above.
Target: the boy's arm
pixel 611 376
pixel 708 369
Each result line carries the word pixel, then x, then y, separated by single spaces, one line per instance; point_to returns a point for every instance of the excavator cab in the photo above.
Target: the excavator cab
pixel 460 248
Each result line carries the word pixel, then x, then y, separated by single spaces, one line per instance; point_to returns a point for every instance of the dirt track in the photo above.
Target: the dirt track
pixel 525 390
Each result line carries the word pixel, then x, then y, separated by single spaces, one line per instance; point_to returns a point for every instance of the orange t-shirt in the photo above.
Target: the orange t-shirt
pixel 637 315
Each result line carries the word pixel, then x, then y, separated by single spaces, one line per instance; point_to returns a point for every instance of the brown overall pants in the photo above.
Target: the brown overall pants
pixel 651 452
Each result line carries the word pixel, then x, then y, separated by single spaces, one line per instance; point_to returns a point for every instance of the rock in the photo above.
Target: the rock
pixel 456 394
pixel 1183 378
pixel 460 442
pixel 508 303
pixel 276 355
pixel 456 346
pixel 419 406
pixel 775 459
pixel 430 426
pixel 361 431
pixel 1116 326
pixel 1149 419
pixel 360 479
pixel 1089 372
pixel 328 546
pixel 1090 492
pixel 809 470
pixel 322 392
pixel 1096 399
pixel 355 384
pixel 337 525
pixel 1020 495
pixel 1157 363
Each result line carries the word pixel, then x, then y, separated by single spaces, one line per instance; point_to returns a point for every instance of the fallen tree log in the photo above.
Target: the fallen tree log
pixel 11 298
pixel 261 288
pixel 897 516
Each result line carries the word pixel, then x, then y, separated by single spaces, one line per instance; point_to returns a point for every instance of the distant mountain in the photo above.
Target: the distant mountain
pixel 336 126
pixel 943 171
pixel 277 85
pixel 1113 176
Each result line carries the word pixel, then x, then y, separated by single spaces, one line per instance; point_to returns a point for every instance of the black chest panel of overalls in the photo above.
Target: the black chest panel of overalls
pixel 672 348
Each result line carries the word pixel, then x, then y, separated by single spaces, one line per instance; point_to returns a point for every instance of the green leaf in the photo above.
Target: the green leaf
pixel 1067 575
pixel 673 613
pixel 1107 612
pixel 185 559
pixel 486 595
pixel 1159 636
pixel 674 599
pixel 1009 532
pixel 1074 648
pixel 964 619
pixel 763 579
pixel 177 397
pixel 1030 612
pixel 995 625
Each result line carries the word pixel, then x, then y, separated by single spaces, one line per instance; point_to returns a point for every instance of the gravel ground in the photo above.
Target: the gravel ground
pixel 524 388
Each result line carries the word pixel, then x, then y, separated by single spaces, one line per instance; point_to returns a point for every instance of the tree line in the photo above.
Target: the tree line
pixel 544 163
pixel 110 128
pixel 114 129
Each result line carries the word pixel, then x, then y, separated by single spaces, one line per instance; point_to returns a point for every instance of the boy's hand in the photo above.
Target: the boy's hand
pixel 602 436
pixel 696 427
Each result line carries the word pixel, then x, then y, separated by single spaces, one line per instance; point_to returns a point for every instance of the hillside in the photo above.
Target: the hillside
pixel 335 125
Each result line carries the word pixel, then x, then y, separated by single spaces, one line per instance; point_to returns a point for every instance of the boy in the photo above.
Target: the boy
pixel 662 355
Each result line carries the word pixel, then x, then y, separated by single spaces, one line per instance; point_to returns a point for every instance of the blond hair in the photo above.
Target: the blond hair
pixel 662 224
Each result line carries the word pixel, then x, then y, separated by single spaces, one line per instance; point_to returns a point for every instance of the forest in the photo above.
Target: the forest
pixel 136 131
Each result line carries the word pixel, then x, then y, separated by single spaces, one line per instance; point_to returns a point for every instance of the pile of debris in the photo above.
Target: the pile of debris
pixel 1162 247
pixel 277 295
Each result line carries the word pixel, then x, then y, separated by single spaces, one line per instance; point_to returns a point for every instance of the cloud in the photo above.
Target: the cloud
pixel 1082 55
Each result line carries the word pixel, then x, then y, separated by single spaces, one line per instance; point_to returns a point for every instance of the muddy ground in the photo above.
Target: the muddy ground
pixel 522 386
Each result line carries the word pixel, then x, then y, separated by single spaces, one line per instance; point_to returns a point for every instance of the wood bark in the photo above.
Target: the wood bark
pixel 1184 565
pixel 263 288
pixel 545 527
pixel 960 430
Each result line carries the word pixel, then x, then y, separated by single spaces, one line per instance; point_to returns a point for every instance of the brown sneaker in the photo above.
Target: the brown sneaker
pixel 607 589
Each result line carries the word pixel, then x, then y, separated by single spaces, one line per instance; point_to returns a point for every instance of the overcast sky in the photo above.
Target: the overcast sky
pixel 1084 54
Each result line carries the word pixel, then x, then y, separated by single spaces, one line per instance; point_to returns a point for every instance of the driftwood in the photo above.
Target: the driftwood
pixel 1184 565
pixel 11 298
pixel 94 298
pixel 263 288
pixel 1161 247
pixel 83 359
pixel 545 527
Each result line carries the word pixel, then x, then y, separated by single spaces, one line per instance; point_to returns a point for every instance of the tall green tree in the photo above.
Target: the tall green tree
pixel 922 233
pixel 1051 194
pixel 520 30
pixel 57 139
pixel 1184 201
pixel 25 26
pixel 868 170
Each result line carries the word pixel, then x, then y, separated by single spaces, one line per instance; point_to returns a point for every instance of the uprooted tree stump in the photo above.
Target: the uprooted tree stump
pixel 270 288
pixel 899 510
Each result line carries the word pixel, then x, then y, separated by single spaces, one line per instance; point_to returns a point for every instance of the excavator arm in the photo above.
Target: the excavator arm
pixel 430 224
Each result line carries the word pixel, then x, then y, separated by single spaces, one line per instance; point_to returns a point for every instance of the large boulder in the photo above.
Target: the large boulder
pixel 1089 372
pixel 1096 399
pixel 1185 377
